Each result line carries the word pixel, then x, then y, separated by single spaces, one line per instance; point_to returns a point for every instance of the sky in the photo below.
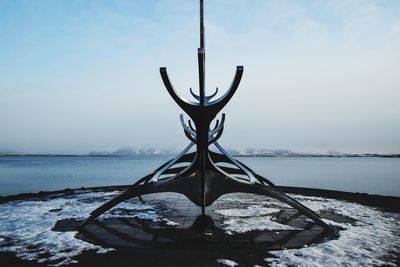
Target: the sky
pixel 80 76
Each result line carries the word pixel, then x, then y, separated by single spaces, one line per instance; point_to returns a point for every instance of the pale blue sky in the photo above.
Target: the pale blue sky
pixel 78 76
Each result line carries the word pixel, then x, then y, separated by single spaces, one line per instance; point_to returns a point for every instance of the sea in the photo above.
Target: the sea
pixel 30 174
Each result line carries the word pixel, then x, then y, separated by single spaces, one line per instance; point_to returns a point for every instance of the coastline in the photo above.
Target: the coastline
pixel 286 154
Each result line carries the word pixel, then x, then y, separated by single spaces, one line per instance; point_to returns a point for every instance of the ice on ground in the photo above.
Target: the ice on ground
pixel 254 217
pixel 242 225
pixel 255 199
pixel 226 262
pixel 25 226
pixel 374 240
pixel 254 210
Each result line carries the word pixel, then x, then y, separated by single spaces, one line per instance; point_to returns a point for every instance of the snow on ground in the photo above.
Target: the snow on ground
pixel 25 226
pixel 242 225
pixel 226 262
pixel 253 210
pixel 252 218
pixel 374 239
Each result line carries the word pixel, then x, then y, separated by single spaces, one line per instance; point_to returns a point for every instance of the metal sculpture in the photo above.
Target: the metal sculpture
pixel 204 179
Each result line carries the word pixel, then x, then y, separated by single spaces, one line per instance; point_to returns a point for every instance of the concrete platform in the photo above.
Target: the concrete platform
pixel 183 226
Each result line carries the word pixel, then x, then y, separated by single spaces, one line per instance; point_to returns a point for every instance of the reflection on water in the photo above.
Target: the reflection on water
pixel 34 174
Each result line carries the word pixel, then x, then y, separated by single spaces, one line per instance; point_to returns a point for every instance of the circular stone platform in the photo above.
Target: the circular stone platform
pixel 234 221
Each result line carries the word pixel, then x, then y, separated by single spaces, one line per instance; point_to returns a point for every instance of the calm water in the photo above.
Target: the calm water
pixel 33 174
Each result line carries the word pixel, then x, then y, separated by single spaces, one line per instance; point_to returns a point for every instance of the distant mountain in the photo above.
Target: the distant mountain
pixel 254 152
pixel 132 151
pixel 249 152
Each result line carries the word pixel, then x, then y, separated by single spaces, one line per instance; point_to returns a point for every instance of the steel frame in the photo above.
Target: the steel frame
pixel 203 179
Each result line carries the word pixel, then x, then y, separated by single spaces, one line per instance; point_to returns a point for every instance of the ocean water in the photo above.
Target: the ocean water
pixel 33 174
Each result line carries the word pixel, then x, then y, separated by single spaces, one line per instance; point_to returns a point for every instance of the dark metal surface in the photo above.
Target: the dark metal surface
pixel 204 179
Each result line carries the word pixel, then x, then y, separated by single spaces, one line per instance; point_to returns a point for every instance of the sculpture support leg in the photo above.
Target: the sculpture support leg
pixel 130 193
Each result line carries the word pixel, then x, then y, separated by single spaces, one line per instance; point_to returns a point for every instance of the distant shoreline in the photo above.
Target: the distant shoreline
pixel 323 156
pixel 294 155
pixel 56 155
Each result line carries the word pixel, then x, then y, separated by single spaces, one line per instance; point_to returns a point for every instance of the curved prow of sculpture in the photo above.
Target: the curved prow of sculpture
pixel 214 106
pixel 219 103
pixel 213 139
pixel 184 104
pixel 185 127
pixel 194 95
pixel 218 126
pixel 207 98
pixel 190 134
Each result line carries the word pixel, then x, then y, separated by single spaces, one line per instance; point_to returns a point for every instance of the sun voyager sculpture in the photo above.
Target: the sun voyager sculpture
pixel 204 175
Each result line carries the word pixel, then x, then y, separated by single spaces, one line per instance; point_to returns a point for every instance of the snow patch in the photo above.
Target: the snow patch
pixel 250 219
pixel 374 240
pixel 169 222
pixel 242 225
pixel 255 199
pixel 25 227
pixel 227 262
pixel 254 210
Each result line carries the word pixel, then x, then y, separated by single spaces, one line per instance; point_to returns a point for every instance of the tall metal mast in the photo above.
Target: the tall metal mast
pixel 202 24
pixel 201 54
pixel 202 136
